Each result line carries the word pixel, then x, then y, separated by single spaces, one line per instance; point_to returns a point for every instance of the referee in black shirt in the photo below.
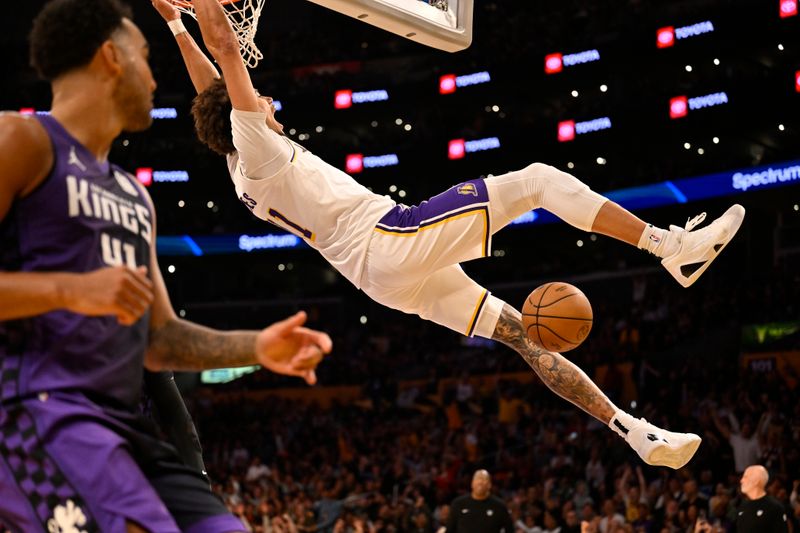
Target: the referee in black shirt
pixel 759 512
pixel 479 512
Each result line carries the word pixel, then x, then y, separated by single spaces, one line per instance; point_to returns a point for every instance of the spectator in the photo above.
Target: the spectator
pixel 746 448
pixel 479 512
pixel 256 470
pixel 582 496
pixel 633 495
pixel 691 496
pixel 571 522
pixel 611 518
pixel 595 472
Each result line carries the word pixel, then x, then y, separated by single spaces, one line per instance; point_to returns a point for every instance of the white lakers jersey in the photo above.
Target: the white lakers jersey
pixel 283 183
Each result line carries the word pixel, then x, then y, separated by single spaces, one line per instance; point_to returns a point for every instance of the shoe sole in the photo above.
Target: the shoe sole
pixel 735 210
pixel 675 458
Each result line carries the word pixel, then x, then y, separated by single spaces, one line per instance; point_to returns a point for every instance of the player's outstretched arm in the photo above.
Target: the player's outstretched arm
pixel 26 157
pixel 201 70
pixel 221 41
pixel 285 347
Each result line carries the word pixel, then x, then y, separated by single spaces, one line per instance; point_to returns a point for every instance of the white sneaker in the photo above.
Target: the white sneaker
pixel 699 248
pixel 658 447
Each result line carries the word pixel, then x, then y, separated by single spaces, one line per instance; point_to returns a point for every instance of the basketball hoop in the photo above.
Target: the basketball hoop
pixel 243 16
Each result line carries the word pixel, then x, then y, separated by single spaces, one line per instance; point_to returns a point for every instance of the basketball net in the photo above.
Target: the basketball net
pixel 243 16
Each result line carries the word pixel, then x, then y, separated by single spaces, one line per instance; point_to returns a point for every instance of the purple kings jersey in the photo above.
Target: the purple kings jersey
pixel 84 216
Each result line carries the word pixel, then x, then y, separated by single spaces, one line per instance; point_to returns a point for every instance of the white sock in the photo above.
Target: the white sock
pixel 621 423
pixel 659 242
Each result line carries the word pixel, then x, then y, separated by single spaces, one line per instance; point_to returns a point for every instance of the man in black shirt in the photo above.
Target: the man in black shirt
pixel 760 512
pixel 479 512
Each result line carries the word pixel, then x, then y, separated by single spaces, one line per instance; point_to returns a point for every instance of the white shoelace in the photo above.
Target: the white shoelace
pixel 692 223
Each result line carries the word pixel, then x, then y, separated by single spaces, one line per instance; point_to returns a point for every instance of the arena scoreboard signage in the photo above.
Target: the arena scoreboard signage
pixel 345 99
pixel 147 176
pixel 459 148
pixel 680 106
pixel 355 163
pixel 666 36
pixel 162 113
pixel 569 129
pixel 450 82
pixel 555 63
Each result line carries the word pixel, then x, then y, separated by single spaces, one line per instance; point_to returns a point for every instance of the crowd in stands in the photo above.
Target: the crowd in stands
pixel 395 459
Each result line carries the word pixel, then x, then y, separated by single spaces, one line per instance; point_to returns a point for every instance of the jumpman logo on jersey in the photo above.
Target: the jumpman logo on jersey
pixel 73 159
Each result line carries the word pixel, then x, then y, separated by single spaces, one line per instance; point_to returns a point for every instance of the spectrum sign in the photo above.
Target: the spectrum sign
pixel 765 177
pixel 346 98
pixel 458 148
pixel 568 129
pixel 355 163
pixel 248 243
pixel 680 106
pixel 554 63
pixel 666 37
pixel 450 82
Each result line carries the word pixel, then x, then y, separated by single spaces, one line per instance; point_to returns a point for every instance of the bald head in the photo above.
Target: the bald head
pixel 754 482
pixel 481 485
pixel 482 474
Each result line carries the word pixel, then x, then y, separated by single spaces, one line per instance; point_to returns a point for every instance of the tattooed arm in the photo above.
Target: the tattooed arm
pixel 285 347
pixel 557 372
pixel 181 345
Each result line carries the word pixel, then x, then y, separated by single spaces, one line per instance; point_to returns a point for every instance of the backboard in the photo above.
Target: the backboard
pixel 442 24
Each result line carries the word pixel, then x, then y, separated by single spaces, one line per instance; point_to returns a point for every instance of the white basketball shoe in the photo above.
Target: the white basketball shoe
pixel 697 249
pixel 657 447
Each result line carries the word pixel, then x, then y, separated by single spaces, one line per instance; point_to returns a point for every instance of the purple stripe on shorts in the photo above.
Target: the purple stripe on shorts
pixel 404 219
pixel 225 523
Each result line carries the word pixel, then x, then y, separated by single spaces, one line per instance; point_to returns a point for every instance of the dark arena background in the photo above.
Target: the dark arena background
pixel 670 107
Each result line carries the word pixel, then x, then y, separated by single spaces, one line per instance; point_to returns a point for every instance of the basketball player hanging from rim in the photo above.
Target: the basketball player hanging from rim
pixel 407 258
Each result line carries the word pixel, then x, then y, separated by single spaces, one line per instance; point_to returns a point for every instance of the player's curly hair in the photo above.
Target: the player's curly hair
pixel 67 33
pixel 211 110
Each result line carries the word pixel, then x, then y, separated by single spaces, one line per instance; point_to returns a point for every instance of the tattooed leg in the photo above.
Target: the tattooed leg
pixel 557 372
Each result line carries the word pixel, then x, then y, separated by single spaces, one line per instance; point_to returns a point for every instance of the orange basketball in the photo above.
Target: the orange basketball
pixel 557 316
